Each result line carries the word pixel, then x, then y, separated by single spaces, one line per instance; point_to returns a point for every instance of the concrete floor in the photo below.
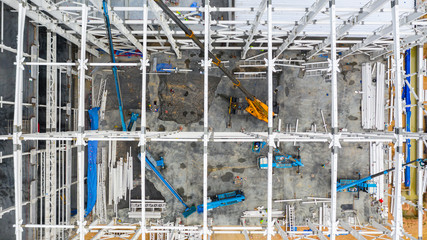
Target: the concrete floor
pixel 299 98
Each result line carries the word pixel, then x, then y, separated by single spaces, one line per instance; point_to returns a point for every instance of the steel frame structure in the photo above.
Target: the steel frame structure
pixel 79 137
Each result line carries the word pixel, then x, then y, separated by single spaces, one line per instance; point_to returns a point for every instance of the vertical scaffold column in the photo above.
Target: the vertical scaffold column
pixel 81 128
pixel 206 65
pixel 397 211
pixel 270 63
pixel 334 119
pixel 142 136
pixel 17 122
pixel 51 119
pixel 420 144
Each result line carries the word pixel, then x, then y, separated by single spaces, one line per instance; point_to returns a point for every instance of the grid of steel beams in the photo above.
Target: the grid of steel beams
pixel 89 35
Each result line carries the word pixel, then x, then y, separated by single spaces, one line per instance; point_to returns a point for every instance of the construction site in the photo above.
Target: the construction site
pixel 213 119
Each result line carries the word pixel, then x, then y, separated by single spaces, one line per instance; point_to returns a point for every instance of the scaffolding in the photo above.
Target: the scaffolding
pixel 88 36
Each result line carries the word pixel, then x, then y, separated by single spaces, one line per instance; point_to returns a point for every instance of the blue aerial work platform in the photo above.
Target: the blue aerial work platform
pixel 224 199
pixel 150 162
pixel 364 184
pixel 280 161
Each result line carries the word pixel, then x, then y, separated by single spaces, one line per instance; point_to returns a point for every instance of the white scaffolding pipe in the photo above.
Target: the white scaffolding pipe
pixel 369 8
pixel 81 125
pixel 302 23
pixel 17 123
pixel 420 145
pixel 397 211
pixel 142 140
pixel 334 119
pixel 258 16
pixel 271 143
pixel 206 65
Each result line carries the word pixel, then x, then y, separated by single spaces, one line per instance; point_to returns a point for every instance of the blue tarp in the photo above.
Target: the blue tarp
pixel 407 96
pixel 162 66
pixel 91 165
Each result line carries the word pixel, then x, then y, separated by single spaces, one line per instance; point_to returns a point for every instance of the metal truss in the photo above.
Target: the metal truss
pixel 254 27
pixel 51 121
pixel 386 30
pixel 352 231
pixel 369 8
pixel 49 23
pixel 317 232
pixel 64 17
pixel 408 42
pixel 165 26
pixel 118 23
pixel 302 23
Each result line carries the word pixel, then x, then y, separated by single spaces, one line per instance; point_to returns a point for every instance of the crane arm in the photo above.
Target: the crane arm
pixel 256 107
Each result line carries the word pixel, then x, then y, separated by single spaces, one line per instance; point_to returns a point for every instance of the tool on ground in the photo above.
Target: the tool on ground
pixel 149 160
pixel 222 200
pixel 361 183
pixel 256 107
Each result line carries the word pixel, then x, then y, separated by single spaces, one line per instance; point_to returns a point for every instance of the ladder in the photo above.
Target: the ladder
pixel 290 217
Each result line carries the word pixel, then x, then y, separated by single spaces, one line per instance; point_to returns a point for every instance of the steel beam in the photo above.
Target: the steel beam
pixel 17 122
pixel 397 209
pixel 385 30
pixel 334 119
pixel 352 231
pixel 254 27
pixel 369 8
pixel 118 23
pixel 302 23
pixel 157 11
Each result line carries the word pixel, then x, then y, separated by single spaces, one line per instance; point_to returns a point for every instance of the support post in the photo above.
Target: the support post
pixel 397 211
pixel 17 123
pixel 81 126
pixel 142 137
pixel 334 122
pixel 270 64
pixel 205 120
pixel 420 145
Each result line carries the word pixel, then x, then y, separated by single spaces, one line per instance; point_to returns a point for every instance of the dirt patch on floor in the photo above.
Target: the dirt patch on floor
pixel 181 97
